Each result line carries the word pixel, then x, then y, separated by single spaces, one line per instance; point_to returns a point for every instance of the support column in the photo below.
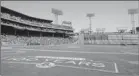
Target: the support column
pixel 133 24
pixel 40 38
pixel 90 25
pixel 56 20
pixel 81 39
pixel 15 31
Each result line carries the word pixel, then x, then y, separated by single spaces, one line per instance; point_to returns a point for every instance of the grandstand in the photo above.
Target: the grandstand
pixel 18 28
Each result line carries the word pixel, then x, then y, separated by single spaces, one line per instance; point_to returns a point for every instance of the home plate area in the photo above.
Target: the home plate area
pixel 69 62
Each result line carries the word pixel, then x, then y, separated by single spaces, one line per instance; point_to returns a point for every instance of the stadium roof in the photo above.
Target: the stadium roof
pixel 4 8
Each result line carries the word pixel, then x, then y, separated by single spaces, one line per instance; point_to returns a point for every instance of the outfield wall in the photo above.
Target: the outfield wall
pixel 128 39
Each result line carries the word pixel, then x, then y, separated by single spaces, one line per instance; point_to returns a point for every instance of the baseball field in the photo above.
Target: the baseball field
pixel 69 60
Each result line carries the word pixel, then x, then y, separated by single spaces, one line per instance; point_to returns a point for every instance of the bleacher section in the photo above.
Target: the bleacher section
pixel 21 40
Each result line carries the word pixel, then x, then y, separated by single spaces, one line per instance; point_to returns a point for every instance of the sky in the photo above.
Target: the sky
pixel 108 14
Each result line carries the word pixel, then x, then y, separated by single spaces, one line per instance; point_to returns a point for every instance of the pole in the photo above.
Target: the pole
pixel 138 13
pixel 40 38
pixel 56 18
pixel 133 24
pixel 15 31
pixel 138 25
pixel 90 25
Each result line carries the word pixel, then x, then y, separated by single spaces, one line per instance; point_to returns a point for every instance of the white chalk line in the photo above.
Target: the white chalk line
pixel 81 52
pixel 131 62
pixel 116 68
pixel 13 52
pixel 86 68
pixel 130 52
pixel 4 57
pixel 8 51
pixel 63 66
pixel 6 47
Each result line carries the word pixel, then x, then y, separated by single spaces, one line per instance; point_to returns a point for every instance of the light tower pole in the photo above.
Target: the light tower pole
pixel 132 12
pixel 56 12
pixel 90 15
pixel 56 18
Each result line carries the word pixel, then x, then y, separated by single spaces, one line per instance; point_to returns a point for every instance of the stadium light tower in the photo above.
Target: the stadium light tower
pixel 132 12
pixel 56 12
pixel 67 23
pixel 90 15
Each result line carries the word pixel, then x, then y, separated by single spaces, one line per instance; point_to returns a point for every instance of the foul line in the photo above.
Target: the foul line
pixel 14 52
pixel 131 62
pixel 116 68
pixel 85 68
pixel 6 47
pixel 80 52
